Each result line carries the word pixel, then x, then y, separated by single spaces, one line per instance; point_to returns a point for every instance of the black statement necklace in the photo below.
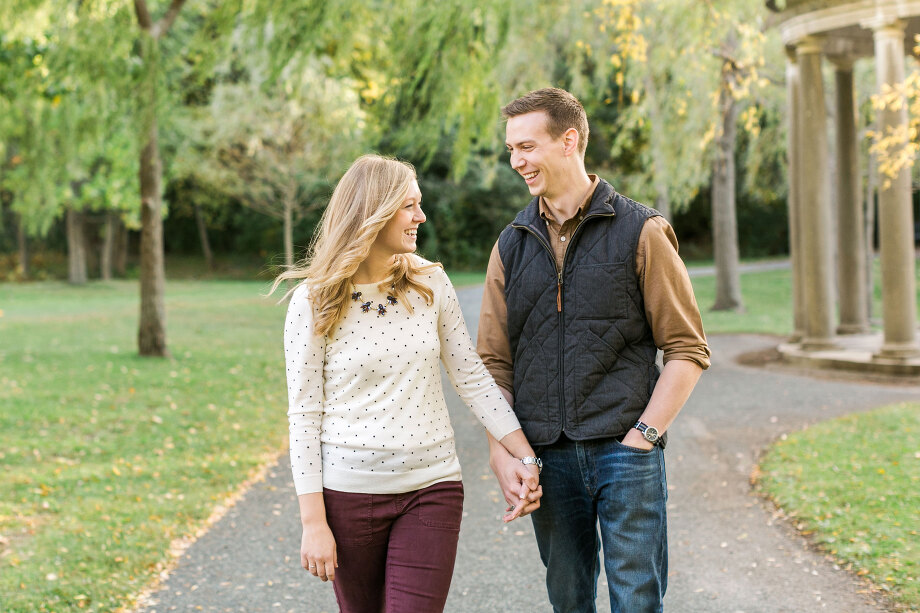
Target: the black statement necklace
pixel 366 306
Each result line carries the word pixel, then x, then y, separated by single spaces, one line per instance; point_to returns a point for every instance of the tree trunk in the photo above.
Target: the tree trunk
pixel 151 334
pixel 76 247
pixel 22 241
pixel 289 231
pixel 203 235
pixel 725 227
pixel 108 247
pixel 120 248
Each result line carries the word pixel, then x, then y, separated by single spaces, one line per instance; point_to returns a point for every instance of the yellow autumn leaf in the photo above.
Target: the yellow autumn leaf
pixel 115 471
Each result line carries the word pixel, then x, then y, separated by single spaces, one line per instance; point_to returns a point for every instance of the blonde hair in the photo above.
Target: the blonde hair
pixel 370 192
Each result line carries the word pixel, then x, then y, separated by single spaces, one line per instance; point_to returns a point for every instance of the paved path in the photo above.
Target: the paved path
pixel 728 554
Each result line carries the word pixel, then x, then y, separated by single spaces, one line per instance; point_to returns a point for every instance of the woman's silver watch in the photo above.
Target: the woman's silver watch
pixel 535 461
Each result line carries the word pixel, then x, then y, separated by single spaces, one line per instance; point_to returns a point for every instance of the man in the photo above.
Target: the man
pixel 582 289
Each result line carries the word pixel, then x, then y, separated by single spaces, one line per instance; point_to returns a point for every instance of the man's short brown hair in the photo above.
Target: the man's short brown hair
pixel 563 109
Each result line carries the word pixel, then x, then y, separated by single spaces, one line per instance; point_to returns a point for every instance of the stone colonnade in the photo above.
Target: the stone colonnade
pixel 810 213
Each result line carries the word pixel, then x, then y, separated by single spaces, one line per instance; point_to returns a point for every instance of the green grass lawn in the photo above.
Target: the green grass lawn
pixel 767 298
pixel 853 485
pixel 107 457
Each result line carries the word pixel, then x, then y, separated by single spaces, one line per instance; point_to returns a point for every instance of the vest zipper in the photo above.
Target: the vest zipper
pixel 559 310
pixel 559 293
pixel 559 282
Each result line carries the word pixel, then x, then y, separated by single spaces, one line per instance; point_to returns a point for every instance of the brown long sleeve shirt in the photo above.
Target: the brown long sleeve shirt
pixel 670 305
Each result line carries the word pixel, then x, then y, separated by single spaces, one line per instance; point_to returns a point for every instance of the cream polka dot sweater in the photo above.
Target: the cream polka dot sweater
pixel 366 406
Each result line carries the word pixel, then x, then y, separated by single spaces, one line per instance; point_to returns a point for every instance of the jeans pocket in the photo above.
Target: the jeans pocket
pixel 635 450
pixel 441 505
pixel 350 517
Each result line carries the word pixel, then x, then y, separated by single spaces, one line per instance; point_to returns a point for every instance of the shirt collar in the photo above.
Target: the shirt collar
pixel 544 211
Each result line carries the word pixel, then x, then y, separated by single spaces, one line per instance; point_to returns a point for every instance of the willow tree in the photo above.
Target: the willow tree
pixel 692 75
pixel 26 101
pixel 441 87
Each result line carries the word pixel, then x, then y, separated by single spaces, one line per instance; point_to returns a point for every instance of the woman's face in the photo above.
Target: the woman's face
pixel 400 234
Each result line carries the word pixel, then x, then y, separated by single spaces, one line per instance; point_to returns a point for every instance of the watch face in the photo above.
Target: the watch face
pixel 651 434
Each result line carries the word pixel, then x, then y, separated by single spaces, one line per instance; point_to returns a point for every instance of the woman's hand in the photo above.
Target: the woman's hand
pixel 521 488
pixel 520 483
pixel 317 550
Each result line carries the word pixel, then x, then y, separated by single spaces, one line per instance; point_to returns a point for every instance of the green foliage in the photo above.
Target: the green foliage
pixel 669 61
pixel 273 143
pixel 142 450
pixel 420 80
pixel 465 218
pixel 452 89
pixel 27 100
pixel 73 144
pixel 851 484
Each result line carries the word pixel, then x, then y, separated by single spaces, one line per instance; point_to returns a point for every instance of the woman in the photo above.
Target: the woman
pixel 372 448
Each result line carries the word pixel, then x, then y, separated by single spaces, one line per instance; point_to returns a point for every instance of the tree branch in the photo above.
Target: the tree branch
pixel 143 15
pixel 163 25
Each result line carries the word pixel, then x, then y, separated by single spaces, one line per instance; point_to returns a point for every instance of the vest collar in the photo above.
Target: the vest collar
pixel 601 204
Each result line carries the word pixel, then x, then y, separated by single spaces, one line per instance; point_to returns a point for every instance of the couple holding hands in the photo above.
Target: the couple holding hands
pixel 582 289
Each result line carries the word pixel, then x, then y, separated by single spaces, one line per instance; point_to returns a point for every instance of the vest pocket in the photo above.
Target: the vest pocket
pixel 600 291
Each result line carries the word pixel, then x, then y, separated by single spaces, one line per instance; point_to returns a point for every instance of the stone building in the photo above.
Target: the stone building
pixel 841 32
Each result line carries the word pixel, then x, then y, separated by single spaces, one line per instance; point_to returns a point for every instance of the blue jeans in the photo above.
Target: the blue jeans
pixel 620 488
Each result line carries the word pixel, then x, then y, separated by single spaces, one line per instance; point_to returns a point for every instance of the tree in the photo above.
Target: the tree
pixel 151 334
pixel 276 145
pixel 692 78
pixel 29 98
pixel 70 132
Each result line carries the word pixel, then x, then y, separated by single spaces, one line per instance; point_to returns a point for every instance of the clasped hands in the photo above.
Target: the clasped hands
pixel 520 485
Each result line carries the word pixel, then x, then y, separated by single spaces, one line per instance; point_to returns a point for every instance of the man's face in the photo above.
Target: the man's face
pixel 535 155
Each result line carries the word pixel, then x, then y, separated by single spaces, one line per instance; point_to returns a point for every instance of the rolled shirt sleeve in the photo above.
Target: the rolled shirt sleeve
pixel 670 305
pixel 492 339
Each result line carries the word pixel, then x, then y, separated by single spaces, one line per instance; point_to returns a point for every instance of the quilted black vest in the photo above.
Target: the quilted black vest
pixel 583 353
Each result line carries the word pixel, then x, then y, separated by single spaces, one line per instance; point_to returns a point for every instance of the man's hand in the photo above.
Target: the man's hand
pixel 520 483
pixel 635 439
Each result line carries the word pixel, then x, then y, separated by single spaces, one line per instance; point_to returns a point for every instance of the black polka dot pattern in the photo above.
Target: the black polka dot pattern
pixel 366 405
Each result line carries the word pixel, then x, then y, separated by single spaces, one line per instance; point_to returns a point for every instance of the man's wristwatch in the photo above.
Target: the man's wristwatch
pixel 649 432
pixel 535 461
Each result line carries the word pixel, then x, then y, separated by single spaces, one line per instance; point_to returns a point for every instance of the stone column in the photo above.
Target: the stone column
pixel 814 199
pixel 794 170
pixel 895 213
pixel 851 241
